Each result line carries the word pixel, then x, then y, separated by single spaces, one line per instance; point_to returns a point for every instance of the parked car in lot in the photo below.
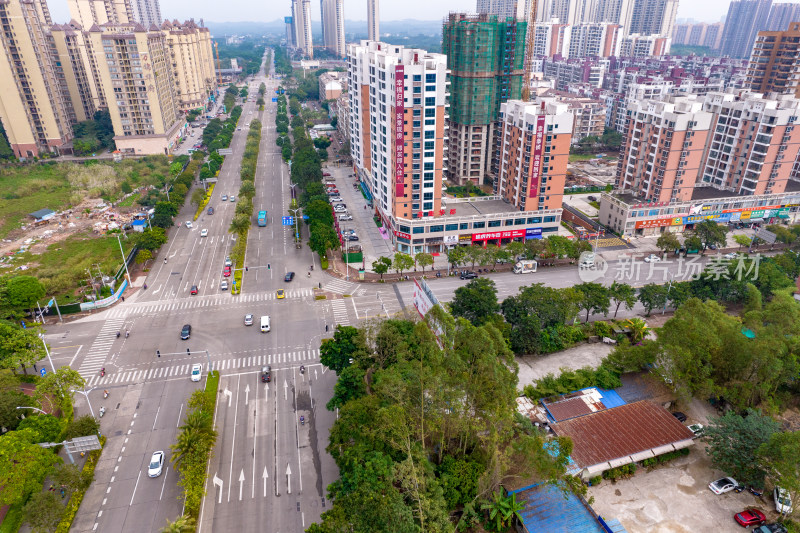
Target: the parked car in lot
pixel 783 500
pixel 723 485
pixel 224 285
pixel 340 208
pixel 228 262
pixel 468 274
pixel 750 517
pixel 680 416
pixel 336 199
pixel 345 217
pixel 156 464
pixel 351 237
pixel 226 272
pixel 193 292
pixel 771 528
pixel 697 429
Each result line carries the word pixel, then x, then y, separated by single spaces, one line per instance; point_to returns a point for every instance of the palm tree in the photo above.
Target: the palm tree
pixel 638 329
pixel 196 433
pixel 184 524
pixel 239 224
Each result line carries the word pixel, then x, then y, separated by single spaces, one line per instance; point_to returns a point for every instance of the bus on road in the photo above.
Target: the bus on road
pixel 262 218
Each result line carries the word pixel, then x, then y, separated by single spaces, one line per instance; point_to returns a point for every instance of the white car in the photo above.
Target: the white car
pixel 156 464
pixel 188 224
pixel 248 319
pixel 224 285
pixel 224 197
pixel 652 258
pixel 335 199
pixel 345 217
pixel 723 485
pixel 783 501
pixel 697 429
pixel 233 198
pixel 228 262
pixel 731 255
pixel 340 208
pixel 197 371
pixel 204 233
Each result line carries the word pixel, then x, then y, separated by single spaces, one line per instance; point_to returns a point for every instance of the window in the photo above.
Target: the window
pixel 478 225
pixel 549 219
pixel 451 227
pixel 429 145
pixel 464 225
pixel 428 166
pixel 430 121
pixel 417 112
pixel 417 77
pixel 535 220
pixel 417 90
pixel 519 221
pixel 430 78
pixel 427 196
pixel 436 229
pixel 416 124
pixel 405 229
pixel 417 101
pixel 430 134
pixel 430 101
pixel 430 88
pixel 419 229
pixel 494 223
pixel 427 206
pixel 430 113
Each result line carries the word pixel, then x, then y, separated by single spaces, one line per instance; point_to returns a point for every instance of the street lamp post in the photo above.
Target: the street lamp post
pixel 52 368
pixel 86 395
pixel 124 261
pixel 34 409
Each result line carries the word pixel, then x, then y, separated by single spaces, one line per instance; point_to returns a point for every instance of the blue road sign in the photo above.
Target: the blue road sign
pixel 274 99
pixel 287 221
pixel 43 371
pixel 305 217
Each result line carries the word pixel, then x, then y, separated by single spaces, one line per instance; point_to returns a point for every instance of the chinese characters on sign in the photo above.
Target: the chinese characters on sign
pixel 511 234
pixel 536 163
pixel 630 269
pixel 399 107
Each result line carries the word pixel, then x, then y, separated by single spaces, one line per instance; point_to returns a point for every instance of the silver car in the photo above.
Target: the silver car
pixel 156 464
pixel 248 319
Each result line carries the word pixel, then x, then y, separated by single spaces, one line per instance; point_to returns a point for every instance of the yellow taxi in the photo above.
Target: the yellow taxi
pixel 281 294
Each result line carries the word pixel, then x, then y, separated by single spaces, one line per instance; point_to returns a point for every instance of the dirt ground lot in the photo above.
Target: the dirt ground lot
pixel 675 498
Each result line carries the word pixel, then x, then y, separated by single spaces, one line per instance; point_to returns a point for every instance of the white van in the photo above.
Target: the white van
pixel 264 323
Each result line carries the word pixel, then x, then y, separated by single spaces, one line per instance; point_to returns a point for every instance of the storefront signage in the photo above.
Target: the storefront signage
pixel 402 235
pixel 450 239
pixel 533 233
pixel 536 163
pixel 510 234
pixel 399 108
pixel 464 238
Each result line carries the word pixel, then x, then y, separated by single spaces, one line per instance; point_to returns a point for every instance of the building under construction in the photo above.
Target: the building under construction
pixel 485 58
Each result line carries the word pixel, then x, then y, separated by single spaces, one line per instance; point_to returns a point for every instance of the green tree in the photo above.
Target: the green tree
pixel 239 224
pixel 595 298
pixel 638 328
pixel 668 242
pixel 780 457
pixel 693 242
pixel 23 466
pixel 43 511
pixel 742 240
pixel 474 254
pixel 10 399
pixel 622 293
pixel 476 301
pixel 47 427
pixel 502 510
pixel 71 477
pixel 351 385
pixel 82 426
pixel 653 296
pixel 150 239
pixel 22 292
pixel 710 233
pixel 381 265
pixel 59 384
pixel 19 347
pixel 337 352
pixel 323 238
pixel 402 262
pixel 538 315
pixel 424 260
pixel 198 196
pixel 163 215
pixel 733 441
pixel 143 256
pixel 456 256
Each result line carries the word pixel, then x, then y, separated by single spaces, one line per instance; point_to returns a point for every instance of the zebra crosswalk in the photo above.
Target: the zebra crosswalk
pixel 145 308
pixel 96 356
pixel 340 286
pixel 169 369
pixel 340 315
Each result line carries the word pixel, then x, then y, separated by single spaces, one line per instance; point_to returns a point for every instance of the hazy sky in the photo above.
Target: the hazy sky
pixel 269 10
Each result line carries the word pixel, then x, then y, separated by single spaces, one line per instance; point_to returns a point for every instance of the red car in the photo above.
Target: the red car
pixel 194 290
pixel 226 272
pixel 750 517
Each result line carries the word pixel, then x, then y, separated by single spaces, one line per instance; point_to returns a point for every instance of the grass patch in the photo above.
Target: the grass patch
pixel 581 157
pixel 323 261
pixel 25 188
pixel 594 204
pixel 13 520
pixel 129 201
pixel 347 295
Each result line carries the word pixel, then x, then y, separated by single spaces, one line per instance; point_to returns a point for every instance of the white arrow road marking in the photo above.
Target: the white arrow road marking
pixel 285 389
pixel 266 392
pixel 288 478
pixel 241 484
pixel 229 394
pixel 246 394
pixel 264 476
pixel 218 483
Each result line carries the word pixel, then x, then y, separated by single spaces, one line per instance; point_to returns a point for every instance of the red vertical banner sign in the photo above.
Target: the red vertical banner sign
pixel 536 163
pixel 399 149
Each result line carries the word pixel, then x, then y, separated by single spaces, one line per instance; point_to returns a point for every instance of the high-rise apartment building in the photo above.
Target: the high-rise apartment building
pixel 35 105
pixel 781 15
pixel 90 12
pixel 551 39
pixel 745 19
pixel 373 20
pixel 743 143
pixel 333 26
pixel 301 17
pixel 504 9
pixel 287 21
pixel 700 34
pixel 775 62
pixel 146 12
pixel 79 66
pixel 192 60
pixel 532 153
pixel 653 17
pixel 485 58
pixel 137 77
pixel 398 99
pixel 635 45
pixel 597 39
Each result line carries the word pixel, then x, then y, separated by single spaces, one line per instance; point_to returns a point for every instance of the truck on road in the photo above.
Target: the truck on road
pixel 525 266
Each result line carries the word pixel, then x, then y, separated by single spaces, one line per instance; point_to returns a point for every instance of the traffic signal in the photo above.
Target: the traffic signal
pixel 268 267
pixel 158 353
pixel 245 269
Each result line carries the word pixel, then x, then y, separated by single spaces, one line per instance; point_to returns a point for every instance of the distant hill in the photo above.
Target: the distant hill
pixel 354 29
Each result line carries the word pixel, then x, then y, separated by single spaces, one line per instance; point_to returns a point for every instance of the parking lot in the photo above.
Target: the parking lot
pixel 373 242
pixel 676 498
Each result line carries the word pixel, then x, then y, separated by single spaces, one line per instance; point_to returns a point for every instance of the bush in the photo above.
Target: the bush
pixel 75 500
pixel 323 260
pixel 593 482
pixel 665 458
pixel 621 472
pixel 603 329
